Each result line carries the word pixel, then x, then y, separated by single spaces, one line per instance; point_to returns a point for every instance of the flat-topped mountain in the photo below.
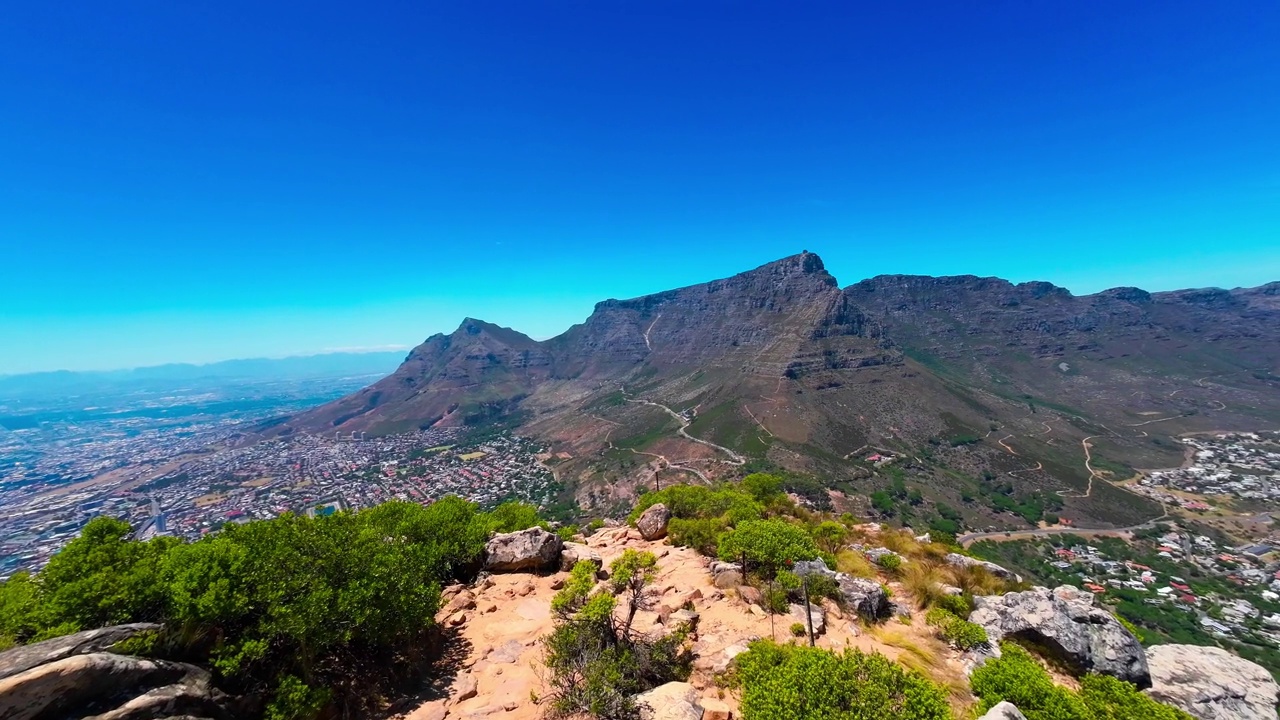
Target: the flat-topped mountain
pixel 780 366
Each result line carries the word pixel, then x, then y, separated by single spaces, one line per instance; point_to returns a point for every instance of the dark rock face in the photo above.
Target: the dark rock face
pixel 1066 621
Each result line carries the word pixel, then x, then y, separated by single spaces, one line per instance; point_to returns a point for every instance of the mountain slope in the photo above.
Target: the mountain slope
pixel 965 377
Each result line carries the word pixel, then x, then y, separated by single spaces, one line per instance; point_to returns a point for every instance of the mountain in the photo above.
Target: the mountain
pixel 966 380
pixel 328 365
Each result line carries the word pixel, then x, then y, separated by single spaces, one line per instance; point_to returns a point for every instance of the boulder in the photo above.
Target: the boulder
pixel 134 687
pixel 1004 710
pixel 874 554
pixel 572 553
pixel 958 560
pixel 815 612
pixel 653 522
pixel 713 709
pixel 529 550
pixel 751 595
pixel 865 597
pixel 25 657
pixel 949 589
pixel 1066 622
pixel 673 701
pixel 1210 683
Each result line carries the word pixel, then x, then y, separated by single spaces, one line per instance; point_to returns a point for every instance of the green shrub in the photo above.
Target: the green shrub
pixel 789 682
pixel 1018 678
pixel 798 630
pixel 960 633
pixel 1112 699
pixel 957 605
pixel 701 534
pixel 596 662
pixel 892 563
pixel 767 545
pixel 513 516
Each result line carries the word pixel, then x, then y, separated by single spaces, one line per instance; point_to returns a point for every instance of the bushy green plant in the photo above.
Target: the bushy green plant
pixel 1018 678
pixel 596 662
pixel 960 633
pixel 830 536
pixel 513 516
pixel 768 545
pixel 798 630
pixel 789 682
pixel 889 562
pixel 958 605
pixel 701 534
pixel 1112 699
pixel 277 607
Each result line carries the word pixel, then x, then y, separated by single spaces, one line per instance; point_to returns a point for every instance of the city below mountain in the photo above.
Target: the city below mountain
pixel 778 367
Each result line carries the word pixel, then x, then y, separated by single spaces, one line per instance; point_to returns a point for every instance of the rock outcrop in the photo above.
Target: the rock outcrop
pixel 25 657
pixel 115 687
pixel 529 550
pixel 652 523
pixel 572 553
pixel 726 575
pixel 865 597
pixel 1003 710
pixel 673 701
pixel 1065 621
pixel 958 560
pixel 1210 683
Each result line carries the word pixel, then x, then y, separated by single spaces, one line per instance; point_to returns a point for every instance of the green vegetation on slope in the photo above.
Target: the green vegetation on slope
pixel 300 613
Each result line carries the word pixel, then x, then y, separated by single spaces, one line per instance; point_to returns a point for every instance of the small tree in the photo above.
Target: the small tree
pixel 770 545
pixel 596 662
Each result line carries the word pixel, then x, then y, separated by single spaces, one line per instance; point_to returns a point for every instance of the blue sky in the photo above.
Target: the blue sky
pixel 186 183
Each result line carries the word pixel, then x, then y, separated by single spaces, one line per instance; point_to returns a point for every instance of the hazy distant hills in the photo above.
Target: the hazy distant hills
pixel 780 366
pixel 329 365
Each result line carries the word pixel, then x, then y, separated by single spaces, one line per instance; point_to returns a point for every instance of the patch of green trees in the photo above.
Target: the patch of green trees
pixel 298 613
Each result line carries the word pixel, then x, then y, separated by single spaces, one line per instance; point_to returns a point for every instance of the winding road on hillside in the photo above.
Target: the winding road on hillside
pixel 734 458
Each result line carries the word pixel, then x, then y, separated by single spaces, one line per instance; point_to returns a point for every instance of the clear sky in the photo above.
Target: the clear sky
pixel 199 181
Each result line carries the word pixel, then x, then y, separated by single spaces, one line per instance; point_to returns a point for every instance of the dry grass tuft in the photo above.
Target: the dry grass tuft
pixel 854 563
pixel 924 582
pixel 977 580
pixel 901 542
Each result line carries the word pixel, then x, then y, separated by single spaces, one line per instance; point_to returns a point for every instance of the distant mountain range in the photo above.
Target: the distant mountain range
pixel 781 367
pixel 328 365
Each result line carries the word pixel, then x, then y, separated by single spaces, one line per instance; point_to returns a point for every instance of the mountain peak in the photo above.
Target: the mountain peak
pixel 802 263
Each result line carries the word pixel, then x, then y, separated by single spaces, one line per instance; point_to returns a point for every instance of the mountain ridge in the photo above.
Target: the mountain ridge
pixel 784 366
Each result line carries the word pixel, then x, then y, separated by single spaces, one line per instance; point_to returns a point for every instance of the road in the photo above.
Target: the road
pixel 734 458
pixel 969 538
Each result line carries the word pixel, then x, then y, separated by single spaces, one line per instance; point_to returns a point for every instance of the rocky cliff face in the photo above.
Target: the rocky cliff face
pixel 781 362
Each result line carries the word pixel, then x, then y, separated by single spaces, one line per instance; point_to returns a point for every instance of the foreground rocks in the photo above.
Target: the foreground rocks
pixel 531 550
pixel 1066 622
pixel 652 523
pixel 958 560
pixel 573 553
pixel 1211 683
pixel 23 658
pixel 111 687
pixel 673 701
pixel 1004 710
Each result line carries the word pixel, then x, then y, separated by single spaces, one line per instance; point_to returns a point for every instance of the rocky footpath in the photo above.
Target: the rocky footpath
pixel 75 677
pixel 499 621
